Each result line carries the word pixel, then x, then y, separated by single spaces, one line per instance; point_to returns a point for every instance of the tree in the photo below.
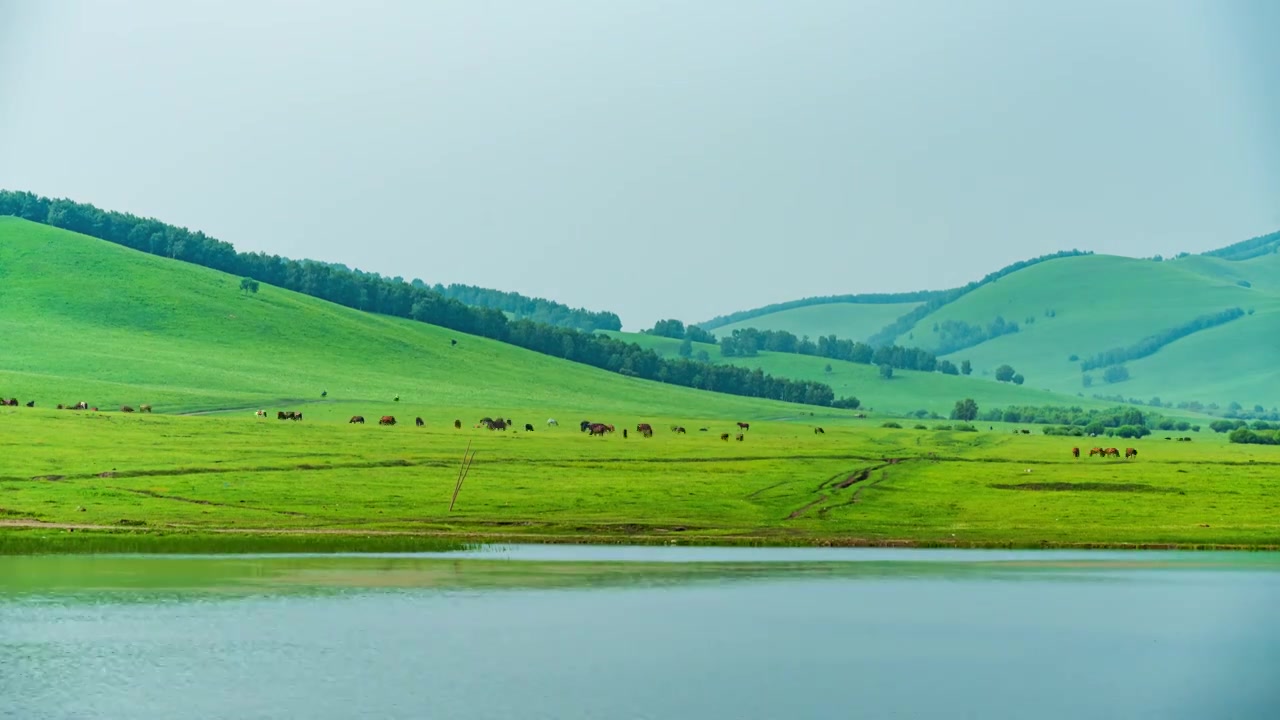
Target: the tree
pixel 966 368
pixel 966 410
pixel 686 348
pixel 886 371
pixel 703 356
pixel 1004 373
pixel 1018 379
pixel 248 285
pixel 946 367
pixel 1115 374
pixel 827 368
pixel 1087 380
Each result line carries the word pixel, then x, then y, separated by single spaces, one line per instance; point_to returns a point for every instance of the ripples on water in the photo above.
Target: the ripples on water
pixel 613 632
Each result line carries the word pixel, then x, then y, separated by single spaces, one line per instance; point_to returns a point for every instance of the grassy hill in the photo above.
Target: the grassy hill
pixel 1086 305
pixel 907 392
pixel 83 319
pixel 854 321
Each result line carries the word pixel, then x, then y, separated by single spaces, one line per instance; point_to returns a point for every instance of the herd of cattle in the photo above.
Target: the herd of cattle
pixel 82 405
pixel 1106 452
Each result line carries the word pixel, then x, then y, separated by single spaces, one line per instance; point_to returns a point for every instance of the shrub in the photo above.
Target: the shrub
pixel 892 424
pixel 941 427
pixel 919 427
pixel 965 427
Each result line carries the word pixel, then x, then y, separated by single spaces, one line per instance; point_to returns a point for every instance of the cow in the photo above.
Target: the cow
pixel 1025 432
pixel 126 409
pixel 387 420
pixel 551 422
pixel 356 420
pixel 1095 451
pixel 609 428
pixel 744 426
pixel 418 422
pixel 597 429
pixel 31 403
pixel 144 408
pixel 645 429
pixel 703 429
pixel 680 430
pixel 61 406
pixel 297 416
pixel 82 405
pixel 1075 452
pixel 819 431
pixel 10 402
pixel 280 415
pixel 1111 452
pixel 528 427
pixel 1130 453
pixel 498 424
pixel 260 413
pixel 739 437
pixel 724 436
pixel 582 426
pixel 457 424
pixel 624 433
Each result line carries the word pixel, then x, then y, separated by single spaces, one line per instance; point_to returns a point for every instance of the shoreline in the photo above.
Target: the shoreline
pixel 18 538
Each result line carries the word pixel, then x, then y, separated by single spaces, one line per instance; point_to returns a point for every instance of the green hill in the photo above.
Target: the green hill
pixel 854 321
pixel 1079 307
pixel 83 319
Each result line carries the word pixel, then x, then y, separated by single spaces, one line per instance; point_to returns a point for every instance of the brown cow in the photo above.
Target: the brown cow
pixel 597 429
pixel 680 430
pixel 387 420
pixel 1111 452
pixel 609 428
pixel 744 426
pixel 724 436
pixel 144 408
pixel 498 424
pixel 1130 453
pixel 125 408
pixel 645 429
pixel 418 422
pixel 1095 451
pixel 356 420
pixel 1075 452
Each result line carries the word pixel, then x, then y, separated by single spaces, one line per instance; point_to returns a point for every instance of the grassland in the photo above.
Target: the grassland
pixel 115 476
pixel 853 321
pixel 85 320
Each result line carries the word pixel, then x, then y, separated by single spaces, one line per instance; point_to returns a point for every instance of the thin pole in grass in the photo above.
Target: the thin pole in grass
pixel 463 469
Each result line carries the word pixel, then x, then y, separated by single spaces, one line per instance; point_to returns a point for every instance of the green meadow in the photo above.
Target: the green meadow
pixel 83 320
pixel 854 321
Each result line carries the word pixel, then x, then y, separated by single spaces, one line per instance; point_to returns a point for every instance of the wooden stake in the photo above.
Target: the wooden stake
pixel 463 469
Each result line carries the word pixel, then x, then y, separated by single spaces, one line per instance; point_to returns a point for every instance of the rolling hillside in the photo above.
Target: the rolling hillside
pixel 1078 307
pixel 854 321
pixel 83 319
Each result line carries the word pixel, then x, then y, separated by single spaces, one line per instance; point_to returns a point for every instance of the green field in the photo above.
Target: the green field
pixel 219 476
pixel 852 321
pixel 86 320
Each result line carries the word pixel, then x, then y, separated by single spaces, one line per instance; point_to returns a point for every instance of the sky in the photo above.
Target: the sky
pixel 657 158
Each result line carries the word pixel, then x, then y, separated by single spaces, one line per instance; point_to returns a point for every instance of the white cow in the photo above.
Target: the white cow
pixel 551 422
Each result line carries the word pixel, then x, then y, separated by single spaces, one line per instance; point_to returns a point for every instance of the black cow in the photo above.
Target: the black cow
pixel 528 427
pixel 418 422
pixel 582 426
pixel 356 420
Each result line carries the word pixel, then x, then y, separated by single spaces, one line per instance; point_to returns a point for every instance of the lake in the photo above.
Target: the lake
pixel 572 632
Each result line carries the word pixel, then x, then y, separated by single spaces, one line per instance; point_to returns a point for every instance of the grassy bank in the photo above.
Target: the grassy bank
pixel 78 482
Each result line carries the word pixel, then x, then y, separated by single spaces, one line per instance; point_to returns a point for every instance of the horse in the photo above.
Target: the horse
pixel 744 426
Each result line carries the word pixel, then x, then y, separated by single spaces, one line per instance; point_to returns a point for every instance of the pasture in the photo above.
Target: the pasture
pixel 100 477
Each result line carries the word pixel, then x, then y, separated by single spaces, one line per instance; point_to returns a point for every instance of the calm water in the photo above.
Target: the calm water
pixel 571 632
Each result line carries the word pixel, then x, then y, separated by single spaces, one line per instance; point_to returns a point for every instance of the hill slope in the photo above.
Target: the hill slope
pixel 852 321
pixel 1088 305
pixel 83 319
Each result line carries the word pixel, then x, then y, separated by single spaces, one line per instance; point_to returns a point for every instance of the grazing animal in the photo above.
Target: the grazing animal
pixel 597 429
pixel 498 424
pixel 144 408
pixel 418 422
pixel 645 429
pixel 739 437
pixel 551 422
pixel 582 426
pixel 1025 432
pixel 395 399
pixel 324 393
pixel 356 420
pixel 60 407
pixel 1075 452
pixel 1130 453
pixel 510 422
pixel 297 416
pixel 125 408
pixel 387 420
pixel 10 401
pixel 624 433
pixel 260 413
pixel 1095 451
pixel 1111 452
pixel 457 424
pixel 452 343
pixel 31 403
pixel 724 436
pixel 93 409
pixel 528 427
pixel 82 405
pixel 744 426
pixel 703 429
pixel 280 415
pixel 609 428
pixel 819 431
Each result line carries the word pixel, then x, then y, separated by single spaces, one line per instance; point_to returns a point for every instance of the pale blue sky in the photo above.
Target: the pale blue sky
pixel 658 158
